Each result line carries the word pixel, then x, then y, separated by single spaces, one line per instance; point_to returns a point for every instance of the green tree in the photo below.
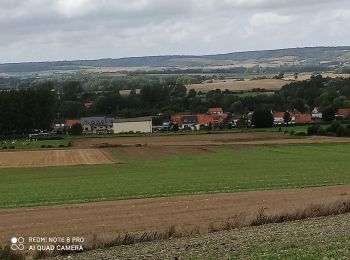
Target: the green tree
pixel 262 117
pixel 76 129
pixel 328 114
pixel 287 117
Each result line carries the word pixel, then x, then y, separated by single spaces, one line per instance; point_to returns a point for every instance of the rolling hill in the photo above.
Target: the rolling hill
pixel 309 56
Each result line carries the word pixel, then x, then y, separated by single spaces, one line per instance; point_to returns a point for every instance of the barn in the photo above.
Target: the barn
pixel 134 125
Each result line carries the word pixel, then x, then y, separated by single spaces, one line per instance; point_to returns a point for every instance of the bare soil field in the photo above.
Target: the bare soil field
pixel 233 85
pixel 44 158
pixel 107 219
pixel 225 139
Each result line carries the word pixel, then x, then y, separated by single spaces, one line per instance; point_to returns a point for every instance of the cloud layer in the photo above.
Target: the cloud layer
pixel 35 30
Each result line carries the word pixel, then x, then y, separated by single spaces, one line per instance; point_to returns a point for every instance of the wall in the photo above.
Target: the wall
pixel 125 127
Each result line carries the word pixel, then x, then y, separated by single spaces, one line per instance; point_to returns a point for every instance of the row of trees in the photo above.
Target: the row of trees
pixel 36 105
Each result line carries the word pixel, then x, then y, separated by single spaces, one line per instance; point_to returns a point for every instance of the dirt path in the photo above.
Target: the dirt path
pixel 106 219
pixel 207 140
pixel 44 158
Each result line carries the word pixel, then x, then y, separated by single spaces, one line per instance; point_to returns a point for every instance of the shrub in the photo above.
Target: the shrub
pixel 313 130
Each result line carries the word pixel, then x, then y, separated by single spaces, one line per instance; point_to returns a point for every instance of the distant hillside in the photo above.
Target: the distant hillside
pixel 296 56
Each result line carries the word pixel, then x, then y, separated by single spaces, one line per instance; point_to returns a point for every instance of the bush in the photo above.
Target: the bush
pixel 292 132
pixel 313 130
pixel 300 134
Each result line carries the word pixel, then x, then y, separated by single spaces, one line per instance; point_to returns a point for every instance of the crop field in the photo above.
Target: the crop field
pixel 224 170
pixel 17 159
pixel 233 85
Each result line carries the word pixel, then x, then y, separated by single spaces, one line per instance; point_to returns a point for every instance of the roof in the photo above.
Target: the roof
pixel 281 114
pixel 97 120
pixel 303 118
pixel 343 112
pixel 205 119
pixel 136 119
pixel 71 122
pixel 215 110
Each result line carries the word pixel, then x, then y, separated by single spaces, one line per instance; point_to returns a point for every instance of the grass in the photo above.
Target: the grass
pixel 24 144
pixel 228 170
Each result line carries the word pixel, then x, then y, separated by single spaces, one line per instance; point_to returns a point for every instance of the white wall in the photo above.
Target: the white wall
pixel 125 127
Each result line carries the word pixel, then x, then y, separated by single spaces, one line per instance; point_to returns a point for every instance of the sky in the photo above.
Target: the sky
pixel 46 30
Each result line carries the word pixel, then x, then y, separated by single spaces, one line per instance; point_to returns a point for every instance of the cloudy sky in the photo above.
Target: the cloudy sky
pixel 42 30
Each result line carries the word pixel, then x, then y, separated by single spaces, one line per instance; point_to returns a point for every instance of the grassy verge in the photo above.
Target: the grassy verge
pixel 227 170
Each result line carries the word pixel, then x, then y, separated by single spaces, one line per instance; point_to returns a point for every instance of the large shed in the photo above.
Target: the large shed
pixel 134 125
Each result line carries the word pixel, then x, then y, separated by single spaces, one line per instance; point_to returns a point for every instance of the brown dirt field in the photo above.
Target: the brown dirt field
pixel 269 84
pixel 107 219
pixel 225 139
pixel 44 158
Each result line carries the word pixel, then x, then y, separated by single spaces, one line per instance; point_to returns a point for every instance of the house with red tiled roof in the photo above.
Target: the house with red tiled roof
pixel 215 116
pixel 279 120
pixel 303 118
pixel 343 113
pixel 216 111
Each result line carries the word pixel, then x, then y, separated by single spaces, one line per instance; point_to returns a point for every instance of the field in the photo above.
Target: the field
pixel 17 159
pixel 187 213
pixel 225 170
pixel 233 85
pixel 190 181
pixel 320 238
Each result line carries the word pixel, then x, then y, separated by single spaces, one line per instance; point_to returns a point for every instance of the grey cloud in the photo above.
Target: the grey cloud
pixel 83 29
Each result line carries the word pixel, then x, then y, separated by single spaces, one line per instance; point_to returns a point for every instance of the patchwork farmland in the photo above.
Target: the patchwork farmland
pixel 150 183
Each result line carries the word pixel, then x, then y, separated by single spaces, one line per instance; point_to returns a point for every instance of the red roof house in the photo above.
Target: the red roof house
pixel 343 112
pixel 216 110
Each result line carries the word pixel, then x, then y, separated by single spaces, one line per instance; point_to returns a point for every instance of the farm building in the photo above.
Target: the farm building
pixel 135 125
pixel 96 124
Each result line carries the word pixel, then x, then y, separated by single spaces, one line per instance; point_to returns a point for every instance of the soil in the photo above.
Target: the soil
pixel 233 85
pixel 227 139
pixel 44 158
pixel 105 220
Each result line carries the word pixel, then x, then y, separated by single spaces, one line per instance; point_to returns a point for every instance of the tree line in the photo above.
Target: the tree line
pixel 37 103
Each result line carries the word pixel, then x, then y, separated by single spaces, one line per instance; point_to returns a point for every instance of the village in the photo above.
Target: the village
pixel 214 119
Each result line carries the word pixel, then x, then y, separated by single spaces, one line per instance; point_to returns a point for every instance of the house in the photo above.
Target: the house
pixel 186 121
pixel 71 122
pixel 215 111
pixel 343 113
pixel 278 118
pixel 316 114
pixel 215 116
pixel 303 118
pixel 96 124
pixel 135 125
pixel 59 125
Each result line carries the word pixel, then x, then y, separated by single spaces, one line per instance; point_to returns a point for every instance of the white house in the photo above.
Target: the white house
pixel 134 125
pixel 316 114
